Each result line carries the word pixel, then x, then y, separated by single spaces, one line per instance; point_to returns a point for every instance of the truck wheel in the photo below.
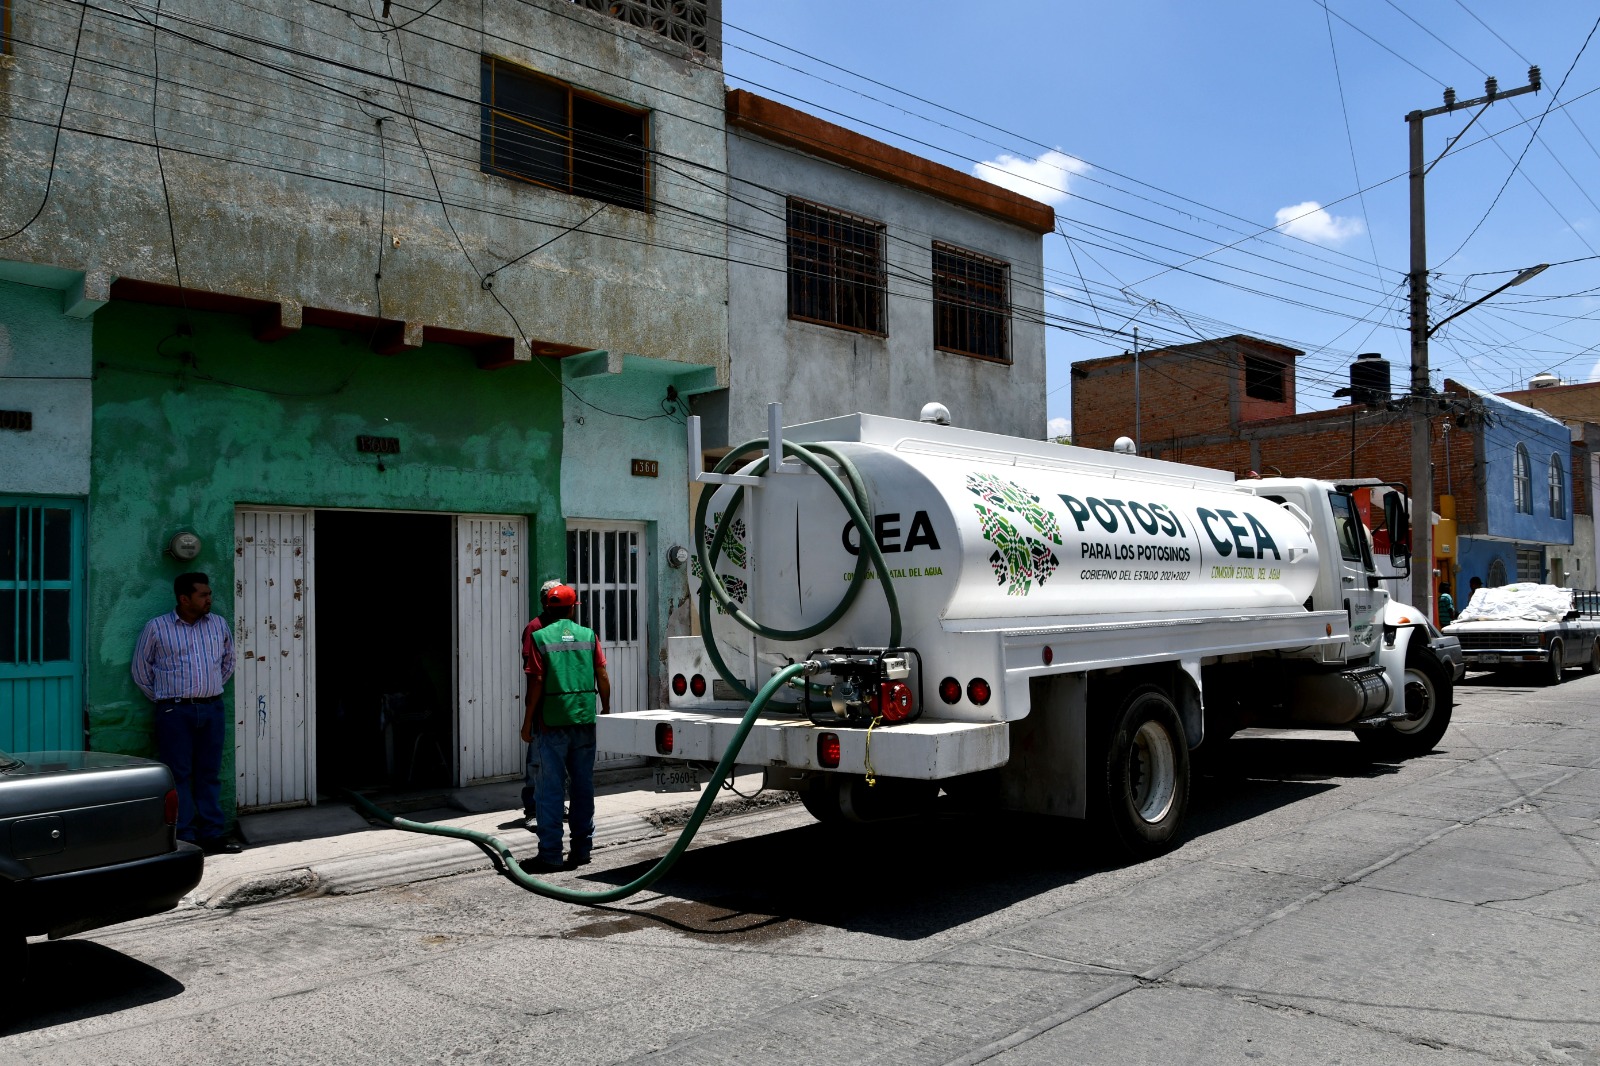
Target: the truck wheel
pixel 1141 775
pixel 821 799
pixel 1592 665
pixel 1429 698
pixel 1557 664
pixel 13 971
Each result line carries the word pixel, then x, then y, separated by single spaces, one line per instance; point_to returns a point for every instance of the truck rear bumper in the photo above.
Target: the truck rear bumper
pixel 927 750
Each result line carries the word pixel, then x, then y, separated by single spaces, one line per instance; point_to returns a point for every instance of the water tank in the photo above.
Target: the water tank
pixel 1369 379
pixel 1545 380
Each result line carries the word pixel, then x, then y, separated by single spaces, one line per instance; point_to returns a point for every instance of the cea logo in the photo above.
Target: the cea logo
pixel 886 531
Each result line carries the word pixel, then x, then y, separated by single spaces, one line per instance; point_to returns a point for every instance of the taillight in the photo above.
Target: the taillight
pixel 680 684
pixel 950 690
pixel 894 701
pixel 663 738
pixel 1048 655
pixel 978 691
pixel 170 805
pixel 697 685
pixel 828 750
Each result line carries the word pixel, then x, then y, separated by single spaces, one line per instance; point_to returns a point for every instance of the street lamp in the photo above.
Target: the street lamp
pixel 1532 271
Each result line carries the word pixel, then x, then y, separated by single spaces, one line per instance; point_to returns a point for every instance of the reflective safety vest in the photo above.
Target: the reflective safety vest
pixel 567 651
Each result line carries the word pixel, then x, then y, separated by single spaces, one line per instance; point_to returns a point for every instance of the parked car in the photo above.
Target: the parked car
pixel 87 839
pixel 1448 649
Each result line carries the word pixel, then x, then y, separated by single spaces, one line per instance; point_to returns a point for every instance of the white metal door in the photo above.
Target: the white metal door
pixel 491 609
pixel 604 565
pixel 275 732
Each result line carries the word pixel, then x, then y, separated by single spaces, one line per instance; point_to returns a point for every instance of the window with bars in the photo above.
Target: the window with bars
pixel 1558 488
pixel 836 268
pixel 603 566
pixel 1530 564
pixel 1522 481
pixel 540 130
pixel 971 303
pixel 36 588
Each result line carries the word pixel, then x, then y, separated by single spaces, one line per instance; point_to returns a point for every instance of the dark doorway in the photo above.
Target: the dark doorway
pixel 384 630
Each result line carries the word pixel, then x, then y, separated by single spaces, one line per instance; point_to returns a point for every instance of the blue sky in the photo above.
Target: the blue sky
pixel 1173 137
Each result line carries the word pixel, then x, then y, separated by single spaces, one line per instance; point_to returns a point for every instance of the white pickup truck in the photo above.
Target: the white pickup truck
pixel 1540 629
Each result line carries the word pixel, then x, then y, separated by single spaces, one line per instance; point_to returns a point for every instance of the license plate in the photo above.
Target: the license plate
pixel 678 777
pixel 1487 658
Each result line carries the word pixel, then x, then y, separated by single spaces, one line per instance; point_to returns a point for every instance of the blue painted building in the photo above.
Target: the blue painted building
pixel 1525 500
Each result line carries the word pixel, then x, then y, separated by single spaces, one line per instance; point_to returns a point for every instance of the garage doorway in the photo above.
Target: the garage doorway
pixel 384 627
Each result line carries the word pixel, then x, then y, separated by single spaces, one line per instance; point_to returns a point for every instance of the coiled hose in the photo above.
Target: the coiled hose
pixel 856 503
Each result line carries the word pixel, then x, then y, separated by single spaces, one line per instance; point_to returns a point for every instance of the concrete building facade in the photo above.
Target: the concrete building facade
pixel 864 278
pixel 383 312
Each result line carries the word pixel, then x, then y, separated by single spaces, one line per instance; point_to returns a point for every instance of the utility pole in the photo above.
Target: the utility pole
pixel 1421 400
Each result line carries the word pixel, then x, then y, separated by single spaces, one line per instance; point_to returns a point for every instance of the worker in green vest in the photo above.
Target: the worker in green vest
pixel 568 672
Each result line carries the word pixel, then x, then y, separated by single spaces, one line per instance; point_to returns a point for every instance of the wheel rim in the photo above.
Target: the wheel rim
pixel 1421 699
pixel 1556 665
pixel 1152 772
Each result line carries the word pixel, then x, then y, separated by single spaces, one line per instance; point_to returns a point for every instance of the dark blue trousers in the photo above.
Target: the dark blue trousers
pixel 189 740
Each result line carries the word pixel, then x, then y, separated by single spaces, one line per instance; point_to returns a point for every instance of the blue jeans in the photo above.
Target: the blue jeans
pixel 566 757
pixel 189 740
pixel 530 778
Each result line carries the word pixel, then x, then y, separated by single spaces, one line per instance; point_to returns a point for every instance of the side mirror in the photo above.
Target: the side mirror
pixel 1399 526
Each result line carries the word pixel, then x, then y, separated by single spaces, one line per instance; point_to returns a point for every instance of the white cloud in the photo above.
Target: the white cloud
pixel 1311 221
pixel 1060 427
pixel 1044 179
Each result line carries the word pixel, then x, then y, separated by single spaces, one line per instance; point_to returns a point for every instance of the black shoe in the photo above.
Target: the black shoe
pixel 540 864
pixel 575 860
pixel 220 846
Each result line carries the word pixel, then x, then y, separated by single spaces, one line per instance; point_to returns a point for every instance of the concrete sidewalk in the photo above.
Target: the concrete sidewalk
pixel 332 849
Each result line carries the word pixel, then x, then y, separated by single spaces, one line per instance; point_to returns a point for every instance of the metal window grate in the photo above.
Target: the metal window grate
pixel 36 590
pixel 683 21
pixel 971 303
pixel 836 269
pixel 1558 488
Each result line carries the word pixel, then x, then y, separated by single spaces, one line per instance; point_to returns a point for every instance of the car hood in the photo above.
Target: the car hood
pixel 55 762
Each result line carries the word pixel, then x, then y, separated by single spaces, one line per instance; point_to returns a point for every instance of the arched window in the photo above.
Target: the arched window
pixel 1522 482
pixel 1558 488
pixel 1497 572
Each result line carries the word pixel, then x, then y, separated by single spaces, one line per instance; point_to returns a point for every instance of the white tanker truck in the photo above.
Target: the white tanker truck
pixel 1070 624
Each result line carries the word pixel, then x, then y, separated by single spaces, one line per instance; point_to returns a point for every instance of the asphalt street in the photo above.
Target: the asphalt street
pixel 1322 909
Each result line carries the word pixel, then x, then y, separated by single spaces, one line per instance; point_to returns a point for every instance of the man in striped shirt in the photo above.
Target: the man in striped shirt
pixel 181 662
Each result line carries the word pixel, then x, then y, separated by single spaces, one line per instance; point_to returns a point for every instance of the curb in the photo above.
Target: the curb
pixel 427 862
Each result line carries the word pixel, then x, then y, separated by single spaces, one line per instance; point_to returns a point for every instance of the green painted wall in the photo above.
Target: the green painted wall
pixel 188 426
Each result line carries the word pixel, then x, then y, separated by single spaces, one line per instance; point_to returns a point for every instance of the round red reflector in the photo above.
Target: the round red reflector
pixel 978 691
pixel 1049 655
pixel 894 701
pixel 663 738
pixel 950 690
pixel 697 685
pixel 828 749
pixel 680 684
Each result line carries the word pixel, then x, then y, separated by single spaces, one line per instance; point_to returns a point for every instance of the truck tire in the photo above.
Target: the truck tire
pixel 821 799
pixel 1429 697
pixel 1140 775
pixel 13 972
pixel 1591 665
pixel 1556 665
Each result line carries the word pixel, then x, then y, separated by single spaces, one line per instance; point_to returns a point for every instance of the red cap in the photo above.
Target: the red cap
pixel 561 596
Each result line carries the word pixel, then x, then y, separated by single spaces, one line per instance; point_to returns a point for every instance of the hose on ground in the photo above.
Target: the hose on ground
pixel 499 851
pixel 857 504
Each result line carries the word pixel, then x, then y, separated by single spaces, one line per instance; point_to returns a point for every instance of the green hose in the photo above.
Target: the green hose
pixel 856 502
pixel 501 852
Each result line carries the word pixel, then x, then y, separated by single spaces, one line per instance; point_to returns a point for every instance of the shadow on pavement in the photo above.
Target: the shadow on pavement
pixel 916 877
pixel 69 980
